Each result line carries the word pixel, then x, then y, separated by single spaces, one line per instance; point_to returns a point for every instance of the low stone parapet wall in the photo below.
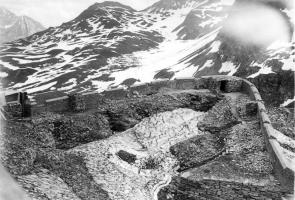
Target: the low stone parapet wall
pixel 91 100
pixel 282 169
pixel 58 104
pixel 217 189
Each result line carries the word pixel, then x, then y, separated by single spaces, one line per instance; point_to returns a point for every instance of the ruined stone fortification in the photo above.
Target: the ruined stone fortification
pixel 226 84
pixel 85 101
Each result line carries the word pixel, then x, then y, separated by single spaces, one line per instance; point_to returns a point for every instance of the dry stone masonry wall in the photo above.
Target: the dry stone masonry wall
pixel 283 171
pixel 216 190
pixel 86 101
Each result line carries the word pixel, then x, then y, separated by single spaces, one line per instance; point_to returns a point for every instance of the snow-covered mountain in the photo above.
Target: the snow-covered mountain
pixel 13 27
pixel 110 45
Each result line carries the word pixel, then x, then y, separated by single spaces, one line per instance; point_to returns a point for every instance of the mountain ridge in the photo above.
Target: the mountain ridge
pixel 109 44
pixel 13 27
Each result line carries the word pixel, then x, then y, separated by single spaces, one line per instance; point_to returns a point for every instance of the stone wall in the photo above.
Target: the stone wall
pixel 13 110
pixel 76 102
pixel 58 104
pixel 282 168
pixel 215 83
pixel 91 100
pixel 218 190
pixel 235 191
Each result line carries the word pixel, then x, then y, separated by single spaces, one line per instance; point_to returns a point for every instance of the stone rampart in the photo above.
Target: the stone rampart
pixel 57 104
pixel 216 189
pixel 282 169
pixel 226 84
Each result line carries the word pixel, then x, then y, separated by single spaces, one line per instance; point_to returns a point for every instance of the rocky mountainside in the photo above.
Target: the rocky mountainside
pixel 13 27
pixel 111 45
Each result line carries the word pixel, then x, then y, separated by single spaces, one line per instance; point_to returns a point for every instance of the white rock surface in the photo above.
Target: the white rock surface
pixel 150 139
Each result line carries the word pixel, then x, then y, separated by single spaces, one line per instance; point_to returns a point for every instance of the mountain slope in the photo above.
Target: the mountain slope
pixel 13 27
pixel 6 17
pixel 110 45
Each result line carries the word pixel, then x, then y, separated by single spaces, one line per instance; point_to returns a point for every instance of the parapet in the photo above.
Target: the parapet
pixel 282 168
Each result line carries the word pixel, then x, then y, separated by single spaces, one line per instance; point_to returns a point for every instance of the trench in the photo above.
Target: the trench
pixel 117 116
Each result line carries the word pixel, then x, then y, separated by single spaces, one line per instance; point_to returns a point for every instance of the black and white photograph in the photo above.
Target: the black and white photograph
pixel 147 99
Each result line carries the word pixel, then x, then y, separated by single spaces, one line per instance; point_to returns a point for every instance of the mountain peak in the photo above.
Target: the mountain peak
pixel 168 5
pixel 25 17
pixel 110 4
pixel 28 20
pixel 15 27
pixel 4 10
pixel 102 9
pixel 6 17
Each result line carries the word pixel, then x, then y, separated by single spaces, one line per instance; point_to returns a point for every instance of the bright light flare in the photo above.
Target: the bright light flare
pixel 257 24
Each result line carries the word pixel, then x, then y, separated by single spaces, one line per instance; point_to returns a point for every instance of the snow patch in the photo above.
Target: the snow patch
pixel 42 87
pixel 23 61
pixel 37 56
pixel 287 102
pixel 215 46
pixel 186 72
pixel 263 70
pixel 283 139
pixel 290 158
pixel 8 65
pixel 3 74
pixel 72 82
pixel 228 67
pixel 289 64
pixel 208 63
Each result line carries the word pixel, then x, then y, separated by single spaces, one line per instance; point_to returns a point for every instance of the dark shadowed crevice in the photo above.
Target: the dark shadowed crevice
pixel 126 156
pixel 223 86
pixel 123 114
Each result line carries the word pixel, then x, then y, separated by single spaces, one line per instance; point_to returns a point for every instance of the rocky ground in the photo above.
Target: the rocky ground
pixel 283 120
pixel 184 144
pixel 236 164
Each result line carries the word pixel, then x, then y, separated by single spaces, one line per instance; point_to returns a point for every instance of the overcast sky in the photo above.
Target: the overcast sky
pixel 55 12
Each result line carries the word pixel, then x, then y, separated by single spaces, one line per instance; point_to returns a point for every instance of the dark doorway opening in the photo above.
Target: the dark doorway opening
pixel 223 86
